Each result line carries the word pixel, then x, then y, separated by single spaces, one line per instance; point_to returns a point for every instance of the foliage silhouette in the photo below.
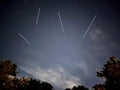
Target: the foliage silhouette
pixel 34 84
pixel 7 68
pixel 9 80
pixel 111 72
pixel 78 88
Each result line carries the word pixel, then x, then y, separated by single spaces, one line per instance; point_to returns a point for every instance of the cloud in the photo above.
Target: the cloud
pixel 56 76
pixel 72 63
pixel 103 43
pixel 97 34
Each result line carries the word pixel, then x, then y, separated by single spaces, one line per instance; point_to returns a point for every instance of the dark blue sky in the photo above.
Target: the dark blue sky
pixel 61 58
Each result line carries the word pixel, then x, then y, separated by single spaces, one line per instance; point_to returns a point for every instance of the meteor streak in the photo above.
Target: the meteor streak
pixel 60 21
pixel 38 14
pixel 89 27
pixel 24 39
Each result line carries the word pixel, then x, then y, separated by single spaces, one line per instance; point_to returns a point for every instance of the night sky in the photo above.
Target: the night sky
pixel 62 58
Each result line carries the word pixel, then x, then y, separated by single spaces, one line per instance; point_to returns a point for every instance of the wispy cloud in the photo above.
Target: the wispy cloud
pixel 57 76
pixel 97 34
pixel 103 43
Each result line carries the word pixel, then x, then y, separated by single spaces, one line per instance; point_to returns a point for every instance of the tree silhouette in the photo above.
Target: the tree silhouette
pixel 34 84
pixel 99 87
pixel 111 72
pixel 7 68
pixel 9 81
pixel 78 88
pixel 67 89
pixel 46 86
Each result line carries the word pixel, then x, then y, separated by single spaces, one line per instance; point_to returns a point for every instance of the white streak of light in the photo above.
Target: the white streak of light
pixel 60 21
pixel 89 27
pixel 24 38
pixel 38 14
